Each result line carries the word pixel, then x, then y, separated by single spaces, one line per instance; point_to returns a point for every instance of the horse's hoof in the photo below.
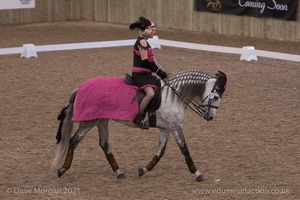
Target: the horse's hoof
pixel 121 176
pixel 141 172
pixel 61 172
pixel 200 178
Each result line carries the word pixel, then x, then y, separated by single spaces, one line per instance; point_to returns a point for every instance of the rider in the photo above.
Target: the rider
pixel 144 65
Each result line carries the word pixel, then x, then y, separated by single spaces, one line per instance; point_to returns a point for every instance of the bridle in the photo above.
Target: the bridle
pixel 195 106
pixel 210 97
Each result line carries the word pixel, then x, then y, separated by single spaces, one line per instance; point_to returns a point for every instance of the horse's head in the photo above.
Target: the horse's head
pixel 214 90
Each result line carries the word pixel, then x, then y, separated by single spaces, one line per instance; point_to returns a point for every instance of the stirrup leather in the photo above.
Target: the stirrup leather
pixel 139 120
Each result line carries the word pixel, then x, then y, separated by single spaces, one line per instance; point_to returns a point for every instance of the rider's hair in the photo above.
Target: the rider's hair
pixel 145 32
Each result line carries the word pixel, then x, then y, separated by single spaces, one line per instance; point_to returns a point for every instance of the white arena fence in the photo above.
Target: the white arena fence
pixel 247 53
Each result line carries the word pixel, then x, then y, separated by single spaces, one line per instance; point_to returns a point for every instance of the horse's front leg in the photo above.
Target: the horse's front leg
pixel 179 137
pixel 163 139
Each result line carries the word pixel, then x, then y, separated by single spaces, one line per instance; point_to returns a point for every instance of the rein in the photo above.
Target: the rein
pixel 196 107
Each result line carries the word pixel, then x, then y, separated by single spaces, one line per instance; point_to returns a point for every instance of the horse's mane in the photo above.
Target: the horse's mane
pixel 188 83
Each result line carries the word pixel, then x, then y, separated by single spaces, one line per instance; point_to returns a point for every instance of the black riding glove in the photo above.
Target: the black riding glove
pixel 154 68
pixel 149 65
pixel 161 74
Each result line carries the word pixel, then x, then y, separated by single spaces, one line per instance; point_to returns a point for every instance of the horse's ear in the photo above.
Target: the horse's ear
pixel 221 74
pixel 218 75
pixel 222 80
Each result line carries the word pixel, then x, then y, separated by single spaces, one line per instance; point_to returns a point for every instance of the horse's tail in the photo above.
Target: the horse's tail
pixel 64 131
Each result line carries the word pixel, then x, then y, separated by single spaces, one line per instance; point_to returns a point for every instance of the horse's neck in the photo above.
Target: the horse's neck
pixel 190 84
pixel 190 91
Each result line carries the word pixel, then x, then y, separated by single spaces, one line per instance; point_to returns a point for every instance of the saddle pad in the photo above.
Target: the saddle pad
pixel 105 98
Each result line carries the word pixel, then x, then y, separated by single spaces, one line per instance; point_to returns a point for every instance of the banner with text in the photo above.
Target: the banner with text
pixel 16 4
pixel 279 9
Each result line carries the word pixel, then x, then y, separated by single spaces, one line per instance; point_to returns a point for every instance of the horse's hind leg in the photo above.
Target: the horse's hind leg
pixel 163 139
pixel 74 141
pixel 104 144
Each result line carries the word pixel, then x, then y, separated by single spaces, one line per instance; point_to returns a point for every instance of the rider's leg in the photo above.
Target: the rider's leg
pixel 139 119
pixel 146 100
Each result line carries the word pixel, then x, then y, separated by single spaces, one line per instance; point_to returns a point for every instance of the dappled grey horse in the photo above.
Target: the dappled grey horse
pixel 197 90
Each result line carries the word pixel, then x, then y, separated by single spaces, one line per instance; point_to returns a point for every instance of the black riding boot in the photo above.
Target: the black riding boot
pixel 139 120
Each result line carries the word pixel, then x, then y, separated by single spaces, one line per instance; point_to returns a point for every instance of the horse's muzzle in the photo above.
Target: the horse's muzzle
pixel 208 116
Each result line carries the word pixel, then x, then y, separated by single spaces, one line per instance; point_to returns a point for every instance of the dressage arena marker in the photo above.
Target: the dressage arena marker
pixel 247 53
pixel 29 51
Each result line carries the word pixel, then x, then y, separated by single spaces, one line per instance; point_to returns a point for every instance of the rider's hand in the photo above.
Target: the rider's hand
pixel 161 74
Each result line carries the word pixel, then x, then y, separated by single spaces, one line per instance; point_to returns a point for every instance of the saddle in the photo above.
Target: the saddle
pixel 154 103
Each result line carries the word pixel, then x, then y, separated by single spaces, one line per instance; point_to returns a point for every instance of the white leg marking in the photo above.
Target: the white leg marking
pixel 119 172
pixel 197 173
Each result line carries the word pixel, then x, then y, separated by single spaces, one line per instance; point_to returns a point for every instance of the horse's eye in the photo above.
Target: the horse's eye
pixel 216 97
